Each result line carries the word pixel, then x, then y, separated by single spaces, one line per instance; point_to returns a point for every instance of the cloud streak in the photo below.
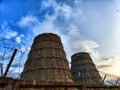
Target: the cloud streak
pixel 110 64
pixel 103 66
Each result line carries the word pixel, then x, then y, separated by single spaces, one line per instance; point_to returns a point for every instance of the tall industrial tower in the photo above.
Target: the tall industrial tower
pixel 83 69
pixel 47 60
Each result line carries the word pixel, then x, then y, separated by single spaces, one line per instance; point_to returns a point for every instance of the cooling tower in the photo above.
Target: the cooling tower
pixel 47 60
pixel 83 69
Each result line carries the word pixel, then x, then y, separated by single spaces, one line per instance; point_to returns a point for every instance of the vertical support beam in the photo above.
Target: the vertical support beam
pixel 8 66
pixel 1 67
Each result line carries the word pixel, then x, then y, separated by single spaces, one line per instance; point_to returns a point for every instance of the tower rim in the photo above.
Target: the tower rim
pixel 80 53
pixel 47 33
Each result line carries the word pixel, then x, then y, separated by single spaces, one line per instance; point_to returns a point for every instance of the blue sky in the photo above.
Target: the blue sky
pixel 83 25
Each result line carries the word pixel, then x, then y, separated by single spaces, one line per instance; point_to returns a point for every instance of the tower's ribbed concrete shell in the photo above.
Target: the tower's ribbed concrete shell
pixel 83 69
pixel 47 60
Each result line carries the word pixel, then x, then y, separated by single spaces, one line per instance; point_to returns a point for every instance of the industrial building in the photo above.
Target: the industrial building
pixel 47 68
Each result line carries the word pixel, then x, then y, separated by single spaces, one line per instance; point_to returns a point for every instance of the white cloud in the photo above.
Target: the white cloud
pixel 83 46
pixel 73 31
pixel 18 40
pixel 46 4
pixel 28 21
pixel 76 43
pixel 46 26
pixel 90 46
pixel 64 11
pixel 21 35
pixel 7 32
pixel 68 29
pixel 10 34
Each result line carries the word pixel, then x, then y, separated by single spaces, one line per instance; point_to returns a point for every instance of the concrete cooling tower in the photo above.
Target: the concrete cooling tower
pixel 47 60
pixel 47 68
pixel 83 69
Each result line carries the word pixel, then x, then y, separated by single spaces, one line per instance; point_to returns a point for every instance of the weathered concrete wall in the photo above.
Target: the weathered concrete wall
pixel 14 84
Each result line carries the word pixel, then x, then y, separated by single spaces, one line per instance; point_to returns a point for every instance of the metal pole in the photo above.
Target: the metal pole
pixel 1 66
pixel 8 66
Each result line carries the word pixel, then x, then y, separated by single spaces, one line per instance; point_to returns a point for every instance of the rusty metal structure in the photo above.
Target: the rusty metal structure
pixel 83 69
pixel 47 60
